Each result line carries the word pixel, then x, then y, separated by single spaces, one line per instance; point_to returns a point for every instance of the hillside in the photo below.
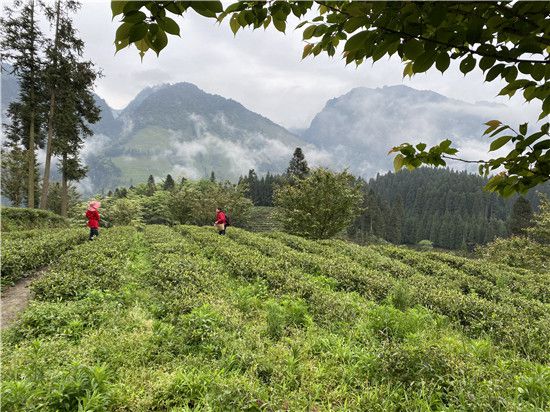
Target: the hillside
pixel 182 318
pixel 360 127
pixel 182 130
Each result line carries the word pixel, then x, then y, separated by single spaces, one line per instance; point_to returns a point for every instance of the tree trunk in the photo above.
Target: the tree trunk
pixel 49 148
pixel 30 155
pixel 64 188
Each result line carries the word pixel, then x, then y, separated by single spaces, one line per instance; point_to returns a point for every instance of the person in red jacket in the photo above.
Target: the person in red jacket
pixel 93 218
pixel 220 221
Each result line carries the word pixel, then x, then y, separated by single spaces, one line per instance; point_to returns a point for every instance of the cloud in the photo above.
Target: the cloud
pixel 261 69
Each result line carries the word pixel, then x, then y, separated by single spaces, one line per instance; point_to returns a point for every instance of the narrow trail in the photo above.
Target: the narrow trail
pixel 16 298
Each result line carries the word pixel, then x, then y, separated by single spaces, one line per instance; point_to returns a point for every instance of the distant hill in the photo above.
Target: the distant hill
pixel 361 126
pixel 182 130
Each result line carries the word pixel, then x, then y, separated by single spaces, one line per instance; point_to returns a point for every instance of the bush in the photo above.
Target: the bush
pixel 14 218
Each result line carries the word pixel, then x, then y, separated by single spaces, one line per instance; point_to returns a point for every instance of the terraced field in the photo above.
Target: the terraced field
pixel 183 319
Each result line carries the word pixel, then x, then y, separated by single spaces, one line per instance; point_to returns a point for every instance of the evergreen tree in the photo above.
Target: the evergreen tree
pixel 77 110
pixel 62 58
pixel 169 183
pixel 21 42
pixel 521 216
pixel 151 186
pixel 297 168
pixel 13 175
pixel 212 177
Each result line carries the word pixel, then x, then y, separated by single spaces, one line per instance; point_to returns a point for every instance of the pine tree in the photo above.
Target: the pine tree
pixel 212 177
pixel 169 183
pixel 76 111
pixel 21 42
pixel 151 186
pixel 62 54
pixel 13 175
pixel 297 168
pixel 521 216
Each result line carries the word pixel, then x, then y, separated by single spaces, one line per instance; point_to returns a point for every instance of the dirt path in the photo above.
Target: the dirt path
pixel 15 298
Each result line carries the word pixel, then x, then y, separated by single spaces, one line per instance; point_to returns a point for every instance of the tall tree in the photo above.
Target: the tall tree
pixel 76 111
pixel 13 175
pixel 62 54
pixel 151 186
pixel 298 168
pixel 21 43
pixel 169 183
pixel 521 216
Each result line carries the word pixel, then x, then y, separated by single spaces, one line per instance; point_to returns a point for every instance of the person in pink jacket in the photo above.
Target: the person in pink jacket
pixel 93 218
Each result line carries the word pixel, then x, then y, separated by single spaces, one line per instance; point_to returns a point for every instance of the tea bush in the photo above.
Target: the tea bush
pixel 24 252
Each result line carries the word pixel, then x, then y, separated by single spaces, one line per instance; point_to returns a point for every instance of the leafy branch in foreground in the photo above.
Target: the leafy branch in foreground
pixel 507 41
pixel 525 166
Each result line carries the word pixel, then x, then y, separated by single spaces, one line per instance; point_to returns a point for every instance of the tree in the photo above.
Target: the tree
pixel 212 177
pixel 508 41
pixel 151 186
pixel 196 202
pixel 540 229
pixel 297 168
pixel 20 43
pixel 169 183
pixel 13 175
pixel 55 195
pixel 320 205
pixel 76 111
pixel 62 55
pixel 521 216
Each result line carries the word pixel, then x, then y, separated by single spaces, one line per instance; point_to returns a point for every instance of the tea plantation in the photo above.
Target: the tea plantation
pixel 176 319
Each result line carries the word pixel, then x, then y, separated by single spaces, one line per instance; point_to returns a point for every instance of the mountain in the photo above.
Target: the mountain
pixel 182 130
pixel 361 126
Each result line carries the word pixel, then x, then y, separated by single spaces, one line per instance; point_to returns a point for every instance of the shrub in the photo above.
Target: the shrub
pixel 14 218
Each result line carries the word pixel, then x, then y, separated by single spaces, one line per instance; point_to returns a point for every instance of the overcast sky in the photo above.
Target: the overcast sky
pixel 261 69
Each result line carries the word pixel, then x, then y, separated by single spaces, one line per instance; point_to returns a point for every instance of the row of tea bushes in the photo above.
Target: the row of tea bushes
pixel 29 250
pixel 511 319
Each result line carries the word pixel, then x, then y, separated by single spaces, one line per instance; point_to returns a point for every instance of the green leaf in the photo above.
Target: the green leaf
pixel 134 16
pixel 423 62
pixel 308 33
pixel 234 24
pixel 545 144
pixel 442 62
pixel 307 50
pixel 138 32
pixel 169 25
pixel 486 62
pixel 412 49
pixel 494 72
pixel 280 25
pixel 421 146
pixel 398 162
pixel 117 7
pixel 357 41
pixel 160 41
pixel 468 64
pixel 408 70
pixel 523 129
pixel 123 32
pixel 499 142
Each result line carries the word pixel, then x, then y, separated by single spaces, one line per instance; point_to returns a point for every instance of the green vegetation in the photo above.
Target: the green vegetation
pixel 23 251
pixel 182 318
pixel 14 218
pixel 316 204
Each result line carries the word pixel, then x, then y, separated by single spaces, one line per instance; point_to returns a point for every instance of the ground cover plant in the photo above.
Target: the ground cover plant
pixel 24 251
pixel 184 319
